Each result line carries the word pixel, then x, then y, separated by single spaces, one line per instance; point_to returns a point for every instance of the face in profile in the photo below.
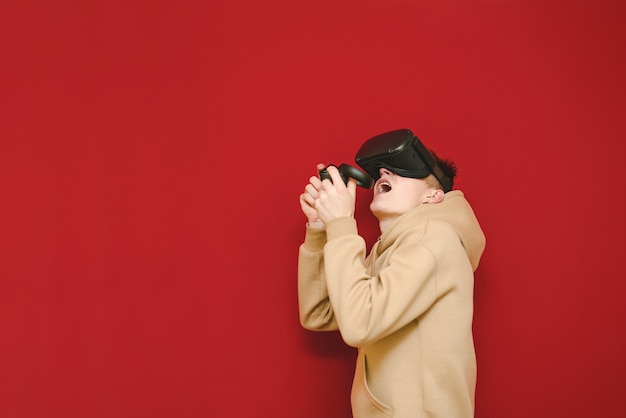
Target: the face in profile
pixel 395 195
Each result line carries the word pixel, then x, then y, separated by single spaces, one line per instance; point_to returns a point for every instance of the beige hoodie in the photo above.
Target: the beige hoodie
pixel 407 306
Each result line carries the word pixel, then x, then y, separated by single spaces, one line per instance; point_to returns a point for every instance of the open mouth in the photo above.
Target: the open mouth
pixel 383 187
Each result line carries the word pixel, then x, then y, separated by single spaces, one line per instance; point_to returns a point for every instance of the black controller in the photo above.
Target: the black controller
pixel 347 172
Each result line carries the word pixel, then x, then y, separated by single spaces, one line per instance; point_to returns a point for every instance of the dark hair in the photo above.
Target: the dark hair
pixel 447 166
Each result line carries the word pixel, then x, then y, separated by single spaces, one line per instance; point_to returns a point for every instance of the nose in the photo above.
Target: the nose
pixel 382 171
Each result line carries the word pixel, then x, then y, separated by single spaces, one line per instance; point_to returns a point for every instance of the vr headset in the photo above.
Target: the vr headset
pixel 403 153
pixel 399 151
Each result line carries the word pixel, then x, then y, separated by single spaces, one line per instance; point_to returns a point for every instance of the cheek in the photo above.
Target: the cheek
pixel 407 205
pixel 407 198
pixel 396 204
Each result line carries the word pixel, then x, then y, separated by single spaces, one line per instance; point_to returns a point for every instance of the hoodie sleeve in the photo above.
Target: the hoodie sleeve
pixel 370 307
pixel 316 312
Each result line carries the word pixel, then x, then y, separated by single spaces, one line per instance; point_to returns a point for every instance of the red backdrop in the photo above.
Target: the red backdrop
pixel 151 157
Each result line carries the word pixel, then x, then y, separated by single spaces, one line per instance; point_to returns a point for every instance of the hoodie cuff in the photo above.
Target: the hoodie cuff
pixel 341 226
pixel 314 239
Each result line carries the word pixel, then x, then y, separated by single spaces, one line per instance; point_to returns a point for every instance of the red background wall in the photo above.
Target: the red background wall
pixel 151 157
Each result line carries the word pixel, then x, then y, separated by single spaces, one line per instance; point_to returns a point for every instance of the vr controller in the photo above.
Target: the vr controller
pixel 347 172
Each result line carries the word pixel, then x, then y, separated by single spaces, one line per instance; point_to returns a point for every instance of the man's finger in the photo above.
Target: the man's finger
pixel 352 183
pixel 336 177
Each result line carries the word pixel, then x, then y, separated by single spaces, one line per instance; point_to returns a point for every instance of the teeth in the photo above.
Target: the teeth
pixel 384 187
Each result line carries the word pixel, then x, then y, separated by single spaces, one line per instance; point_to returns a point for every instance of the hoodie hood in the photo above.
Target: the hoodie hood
pixel 454 210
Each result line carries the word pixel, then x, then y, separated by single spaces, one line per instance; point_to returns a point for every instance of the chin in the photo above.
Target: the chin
pixel 377 209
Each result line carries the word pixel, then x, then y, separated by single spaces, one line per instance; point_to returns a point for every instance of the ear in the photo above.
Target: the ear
pixel 435 196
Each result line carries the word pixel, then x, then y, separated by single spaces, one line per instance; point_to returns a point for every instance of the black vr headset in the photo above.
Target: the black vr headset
pixel 399 151
pixel 403 153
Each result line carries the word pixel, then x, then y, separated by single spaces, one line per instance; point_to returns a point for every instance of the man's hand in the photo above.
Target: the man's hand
pixel 335 199
pixel 308 198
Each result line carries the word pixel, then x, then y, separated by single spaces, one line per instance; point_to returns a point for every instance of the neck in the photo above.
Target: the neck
pixel 384 223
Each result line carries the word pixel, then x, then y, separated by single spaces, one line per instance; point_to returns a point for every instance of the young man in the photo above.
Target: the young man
pixel 407 305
